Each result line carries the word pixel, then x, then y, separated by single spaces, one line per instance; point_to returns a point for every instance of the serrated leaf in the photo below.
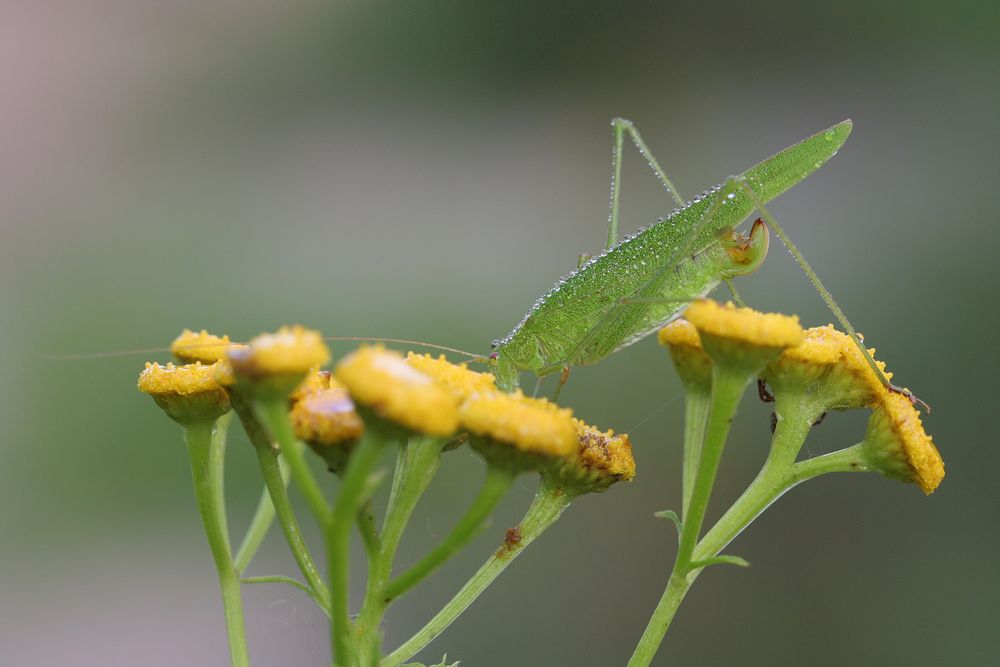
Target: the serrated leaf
pixel 672 515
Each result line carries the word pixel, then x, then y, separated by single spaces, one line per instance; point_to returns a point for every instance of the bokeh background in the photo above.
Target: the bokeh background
pixel 424 170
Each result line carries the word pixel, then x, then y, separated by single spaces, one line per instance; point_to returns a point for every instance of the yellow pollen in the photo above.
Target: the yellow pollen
pixel 186 380
pixel 744 324
pixel 457 378
pixel 207 348
pixel 897 417
pixel 382 380
pixel 531 425
pixel 605 452
pixel 326 417
pixel 853 361
pixel 680 332
pixel 316 380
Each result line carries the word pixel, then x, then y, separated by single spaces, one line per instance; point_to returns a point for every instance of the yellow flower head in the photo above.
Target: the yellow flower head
pixel 316 380
pixel 742 337
pixel 456 377
pixel 690 359
pixel 273 365
pixel 189 394
pixel 382 381
pixel 326 420
pixel 602 459
pixel 515 423
pixel 898 447
pixel 291 350
pixel 190 347
pixel 830 360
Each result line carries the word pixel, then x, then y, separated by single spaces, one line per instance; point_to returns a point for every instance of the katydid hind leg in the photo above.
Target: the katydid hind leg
pixel 820 287
pixel 621 127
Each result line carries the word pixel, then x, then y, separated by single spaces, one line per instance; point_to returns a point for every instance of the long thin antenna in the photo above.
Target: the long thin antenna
pixel 404 341
pixel 84 356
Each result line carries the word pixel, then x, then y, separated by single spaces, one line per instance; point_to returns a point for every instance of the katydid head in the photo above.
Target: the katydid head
pixel 746 253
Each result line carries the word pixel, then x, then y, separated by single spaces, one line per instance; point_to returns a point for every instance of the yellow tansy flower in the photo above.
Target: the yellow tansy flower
pixel 383 382
pixel 602 459
pixel 207 348
pixel 292 350
pixel 316 380
pixel 742 338
pixel 897 445
pixel 744 324
pixel 188 394
pixel 828 364
pixel 531 425
pixel 326 418
pixel 456 377
pixel 690 359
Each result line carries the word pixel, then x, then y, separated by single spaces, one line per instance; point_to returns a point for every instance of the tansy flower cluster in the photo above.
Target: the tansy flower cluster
pixel 811 371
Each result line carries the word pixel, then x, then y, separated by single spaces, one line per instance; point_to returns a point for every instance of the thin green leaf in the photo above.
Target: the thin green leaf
pixel 672 515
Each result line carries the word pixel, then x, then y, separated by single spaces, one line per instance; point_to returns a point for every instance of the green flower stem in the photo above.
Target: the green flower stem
pixel 696 405
pixel 416 465
pixel 206 472
pixel 263 516
pixel 549 503
pixel 727 390
pixel 217 467
pixel 273 414
pixel 369 533
pixel 728 386
pixel 796 414
pixel 498 481
pixel 338 537
pixel 778 475
pixel 275 482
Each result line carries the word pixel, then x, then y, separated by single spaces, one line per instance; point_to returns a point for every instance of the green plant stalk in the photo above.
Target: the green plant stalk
pixel 206 471
pixel 260 524
pixel 275 482
pixel 416 464
pixel 217 467
pixel 549 502
pixel 498 481
pixel 779 474
pixel 338 537
pixel 696 408
pixel 727 390
pixel 273 414
pixel 369 533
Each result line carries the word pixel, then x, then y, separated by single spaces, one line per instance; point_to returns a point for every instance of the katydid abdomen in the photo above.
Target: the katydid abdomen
pixel 648 278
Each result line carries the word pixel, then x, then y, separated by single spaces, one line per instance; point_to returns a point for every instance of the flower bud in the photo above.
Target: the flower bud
pixel 602 458
pixel 742 339
pixel 519 432
pixel 189 394
pixel 273 365
pixel 690 359
pixel 898 447
pixel 207 348
pixel 325 419
pixel 381 382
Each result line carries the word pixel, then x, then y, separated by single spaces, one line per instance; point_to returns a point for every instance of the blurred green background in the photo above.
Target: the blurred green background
pixel 425 170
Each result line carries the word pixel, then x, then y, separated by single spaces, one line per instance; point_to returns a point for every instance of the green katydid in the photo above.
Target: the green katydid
pixel 644 281
pixel 647 279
